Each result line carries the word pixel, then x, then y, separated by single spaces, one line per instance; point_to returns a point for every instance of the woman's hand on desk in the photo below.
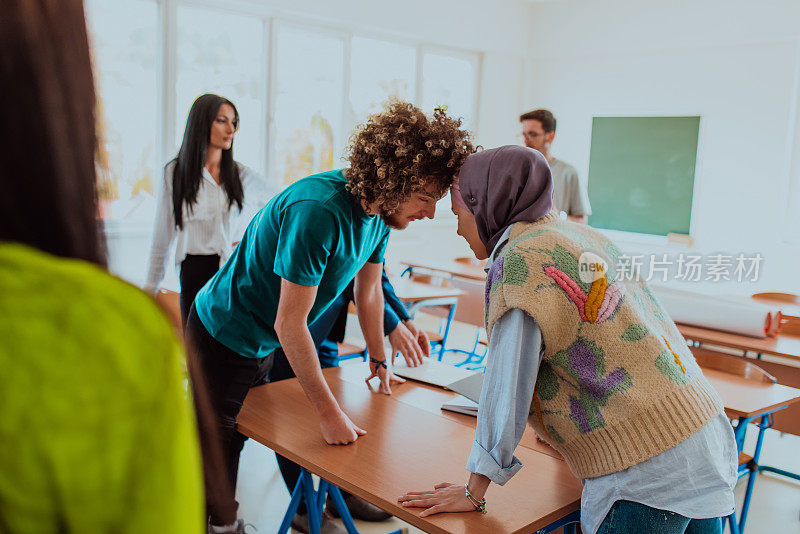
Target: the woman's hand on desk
pixel 405 341
pixel 338 429
pixel 445 497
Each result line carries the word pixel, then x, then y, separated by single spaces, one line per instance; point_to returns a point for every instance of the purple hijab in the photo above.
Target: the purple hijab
pixel 503 186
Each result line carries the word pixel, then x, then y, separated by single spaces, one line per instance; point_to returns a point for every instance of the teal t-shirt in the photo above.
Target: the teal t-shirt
pixel 312 234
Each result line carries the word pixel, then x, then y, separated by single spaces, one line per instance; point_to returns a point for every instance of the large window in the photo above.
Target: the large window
pixel 125 37
pixel 380 70
pixel 223 53
pixel 309 93
pixel 299 89
pixel 450 80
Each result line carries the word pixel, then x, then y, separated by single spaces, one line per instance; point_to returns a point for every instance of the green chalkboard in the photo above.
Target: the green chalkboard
pixel 641 173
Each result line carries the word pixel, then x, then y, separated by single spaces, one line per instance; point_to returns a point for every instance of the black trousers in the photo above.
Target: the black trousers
pixel 228 376
pixel 195 272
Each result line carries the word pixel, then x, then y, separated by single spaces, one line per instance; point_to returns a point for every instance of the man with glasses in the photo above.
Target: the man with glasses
pixel 569 194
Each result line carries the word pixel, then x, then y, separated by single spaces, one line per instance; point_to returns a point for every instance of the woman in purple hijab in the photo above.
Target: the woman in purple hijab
pixel 498 188
pixel 600 362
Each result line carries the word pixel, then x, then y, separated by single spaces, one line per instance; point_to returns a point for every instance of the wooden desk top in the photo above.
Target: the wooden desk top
pixel 454 268
pixel 405 449
pixel 430 398
pixel 748 398
pixel 783 345
pixel 410 292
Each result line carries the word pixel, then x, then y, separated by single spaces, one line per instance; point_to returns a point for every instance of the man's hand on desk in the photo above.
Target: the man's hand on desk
pixel 422 338
pixel 338 429
pixel 387 378
pixel 409 341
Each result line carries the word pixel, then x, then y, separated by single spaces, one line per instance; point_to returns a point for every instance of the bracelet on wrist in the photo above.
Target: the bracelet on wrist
pixel 378 363
pixel 479 505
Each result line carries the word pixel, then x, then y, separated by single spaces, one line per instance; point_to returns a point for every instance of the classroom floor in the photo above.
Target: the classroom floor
pixel 775 506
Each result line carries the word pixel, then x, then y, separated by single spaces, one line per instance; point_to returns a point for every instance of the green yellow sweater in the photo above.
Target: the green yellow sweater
pixel 97 432
pixel 617 384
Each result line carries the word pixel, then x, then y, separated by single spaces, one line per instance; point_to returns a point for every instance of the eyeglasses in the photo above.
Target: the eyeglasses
pixel 528 135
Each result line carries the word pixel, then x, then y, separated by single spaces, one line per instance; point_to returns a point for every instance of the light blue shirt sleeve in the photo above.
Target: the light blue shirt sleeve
pixel 515 351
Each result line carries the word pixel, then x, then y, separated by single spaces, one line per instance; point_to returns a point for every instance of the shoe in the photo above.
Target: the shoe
pixel 329 526
pixel 359 509
pixel 238 528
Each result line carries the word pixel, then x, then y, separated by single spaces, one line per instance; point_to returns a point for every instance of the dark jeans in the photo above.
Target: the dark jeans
pixel 229 376
pixel 627 516
pixel 195 272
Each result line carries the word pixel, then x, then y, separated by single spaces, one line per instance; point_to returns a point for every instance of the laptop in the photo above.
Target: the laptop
pixel 433 372
pixel 469 386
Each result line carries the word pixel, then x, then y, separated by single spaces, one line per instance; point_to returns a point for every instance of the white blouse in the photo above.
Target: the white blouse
pixel 209 227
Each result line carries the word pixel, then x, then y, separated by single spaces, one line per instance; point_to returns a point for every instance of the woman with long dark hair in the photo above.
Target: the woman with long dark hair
pixel 97 431
pixel 206 200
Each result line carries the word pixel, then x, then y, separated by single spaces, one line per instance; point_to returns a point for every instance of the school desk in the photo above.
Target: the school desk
pixel 411 292
pixel 406 448
pixel 414 296
pixel 750 401
pixel 788 375
pixel 785 346
pixel 430 398
pixel 417 295
pixel 744 400
pixel 449 268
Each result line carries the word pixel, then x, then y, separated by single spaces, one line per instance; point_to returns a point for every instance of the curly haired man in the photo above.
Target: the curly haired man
pixel 301 251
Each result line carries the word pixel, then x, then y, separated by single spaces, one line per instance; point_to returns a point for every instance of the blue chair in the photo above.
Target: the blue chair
pixel 348 351
pixel 471 311
pixel 444 308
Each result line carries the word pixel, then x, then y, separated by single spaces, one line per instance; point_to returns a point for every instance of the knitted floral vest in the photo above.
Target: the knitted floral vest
pixel 617 384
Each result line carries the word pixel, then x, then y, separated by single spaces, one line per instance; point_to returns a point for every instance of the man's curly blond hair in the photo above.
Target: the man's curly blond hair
pixel 400 151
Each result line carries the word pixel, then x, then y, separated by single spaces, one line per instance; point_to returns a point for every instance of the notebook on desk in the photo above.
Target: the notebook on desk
pixel 461 404
pixel 469 389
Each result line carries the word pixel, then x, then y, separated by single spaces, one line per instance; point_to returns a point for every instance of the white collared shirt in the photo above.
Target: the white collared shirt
pixel 210 226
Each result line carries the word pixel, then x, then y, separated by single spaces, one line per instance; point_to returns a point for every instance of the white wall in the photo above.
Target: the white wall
pixel 734 63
